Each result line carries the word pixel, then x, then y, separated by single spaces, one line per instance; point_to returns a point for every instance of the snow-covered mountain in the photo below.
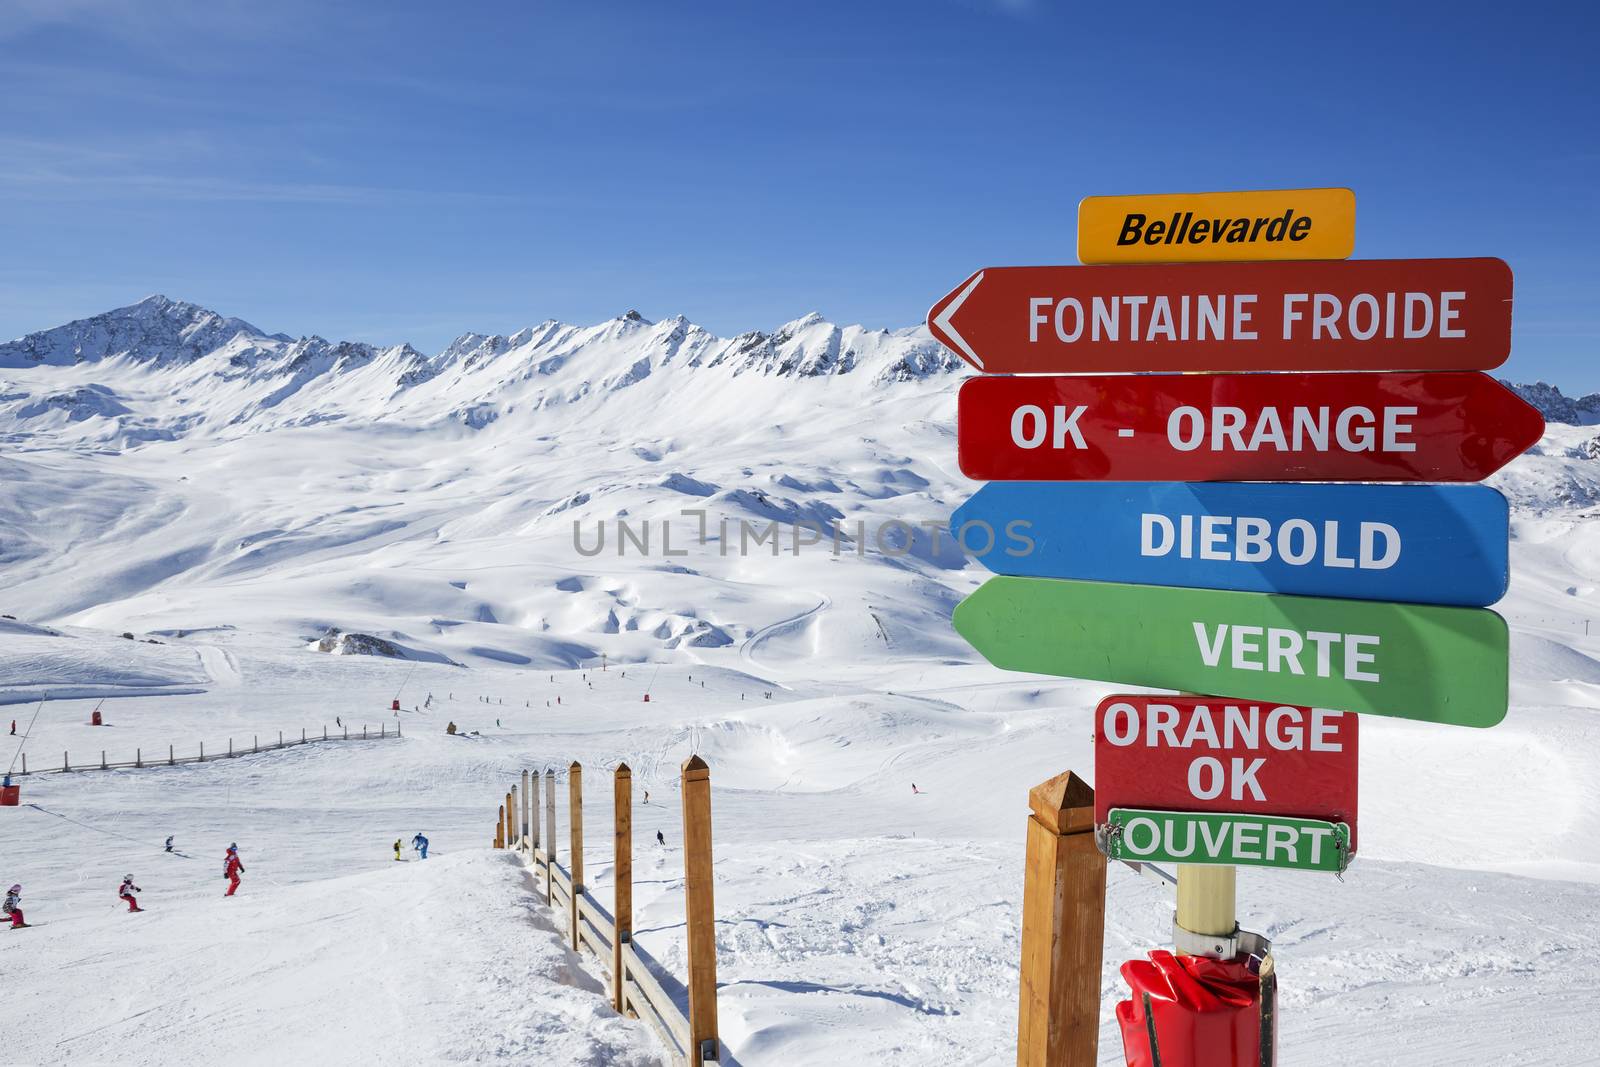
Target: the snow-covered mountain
pixel 309 528
pixel 163 369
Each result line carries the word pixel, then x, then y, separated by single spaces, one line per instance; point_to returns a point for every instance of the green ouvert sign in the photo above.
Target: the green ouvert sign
pixel 1236 840
pixel 1410 661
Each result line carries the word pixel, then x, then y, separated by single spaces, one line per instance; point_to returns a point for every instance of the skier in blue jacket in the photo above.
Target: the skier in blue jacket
pixel 420 844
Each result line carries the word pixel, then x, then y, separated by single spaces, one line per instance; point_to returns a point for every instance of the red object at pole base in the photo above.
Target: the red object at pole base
pixel 95 720
pixel 10 796
pixel 1197 1012
pixel 394 705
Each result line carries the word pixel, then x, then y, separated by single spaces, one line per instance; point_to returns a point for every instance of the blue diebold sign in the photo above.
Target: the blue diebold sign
pixel 1422 544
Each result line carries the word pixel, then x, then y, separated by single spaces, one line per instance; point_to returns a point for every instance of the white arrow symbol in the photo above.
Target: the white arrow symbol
pixel 942 320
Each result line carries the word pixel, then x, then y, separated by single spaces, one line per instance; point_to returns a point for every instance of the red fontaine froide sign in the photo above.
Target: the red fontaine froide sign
pixel 1362 314
pixel 1224 755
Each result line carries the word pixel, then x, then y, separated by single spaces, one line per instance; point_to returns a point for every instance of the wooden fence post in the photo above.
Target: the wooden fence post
pixel 510 817
pixel 622 865
pixel 102 759
pixel 171 759
pixel 255 742
pixel 700 911
pixel 522 813
pixel 516 818
pixel 575 828
pixel 138 757
pixel 202 752
pixel 534 815
pixel 1063 928
pixel 549 834
pixel 500 828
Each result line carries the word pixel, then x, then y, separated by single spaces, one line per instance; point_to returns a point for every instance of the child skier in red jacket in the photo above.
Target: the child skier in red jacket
pixel 232 868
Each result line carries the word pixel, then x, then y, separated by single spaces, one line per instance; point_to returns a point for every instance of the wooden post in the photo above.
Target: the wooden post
pixel 138 757
pixel 622 864
pixel 534 813
pixel 255 742
pixel 700 912
pixel 516 818
pixel 280 738
pixel 202 752
pixel 500 828
pixel 1063 928
pixel 230 747
pixel 302 735
pixel 509 817
pixel 575 829
pixel 523 834
pixel 102 759
pixel 549 834
pixel 171 759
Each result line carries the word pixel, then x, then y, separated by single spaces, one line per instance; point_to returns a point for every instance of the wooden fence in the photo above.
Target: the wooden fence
pixel 635 990
pixel 172 759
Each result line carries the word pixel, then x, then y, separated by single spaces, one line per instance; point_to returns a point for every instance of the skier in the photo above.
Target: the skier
pixel 914 790
pixel 127 891
pixel 337 721
pixel 169 842
pixel 451 729
pixel 660 840
pixel 13 727
pixel 647 796
pixel 420 844
pixel 232 868
pixel 497 723
pixel 13 907
pixel 397 850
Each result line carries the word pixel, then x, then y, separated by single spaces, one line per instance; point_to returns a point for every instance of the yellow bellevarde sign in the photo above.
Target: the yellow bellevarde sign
pixel 1207 227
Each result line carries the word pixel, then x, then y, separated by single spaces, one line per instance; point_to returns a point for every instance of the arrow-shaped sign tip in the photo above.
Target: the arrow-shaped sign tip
pixel 942 325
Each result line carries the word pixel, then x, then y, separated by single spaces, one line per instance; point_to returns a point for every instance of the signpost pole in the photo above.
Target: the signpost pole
pixel 1206 908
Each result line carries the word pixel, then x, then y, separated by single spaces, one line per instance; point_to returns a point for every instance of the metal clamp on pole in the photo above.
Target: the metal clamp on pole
pixel 1217 946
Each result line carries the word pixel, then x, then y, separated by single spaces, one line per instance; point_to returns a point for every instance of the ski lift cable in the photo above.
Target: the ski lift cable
pixel 23 741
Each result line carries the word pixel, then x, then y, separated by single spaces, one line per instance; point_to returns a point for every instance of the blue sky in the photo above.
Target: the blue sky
pixel 411 171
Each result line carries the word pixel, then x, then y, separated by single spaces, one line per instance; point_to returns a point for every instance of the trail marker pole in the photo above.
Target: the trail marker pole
pixel 516 819
pixel 622 864
pixel 575 828
pixel 500 828
pixel 138 757
pixel 549 835
pixel 171 761
pixel 1063 928
pixel 700 911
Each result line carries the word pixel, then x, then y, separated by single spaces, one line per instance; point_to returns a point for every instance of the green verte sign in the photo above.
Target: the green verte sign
pixel 1235 840
pixel 1412 661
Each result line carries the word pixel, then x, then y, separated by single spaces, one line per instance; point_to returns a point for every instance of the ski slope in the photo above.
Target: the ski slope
pixel 234 511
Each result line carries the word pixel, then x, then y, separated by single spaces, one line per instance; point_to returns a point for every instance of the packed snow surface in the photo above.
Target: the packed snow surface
pixel 297 530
